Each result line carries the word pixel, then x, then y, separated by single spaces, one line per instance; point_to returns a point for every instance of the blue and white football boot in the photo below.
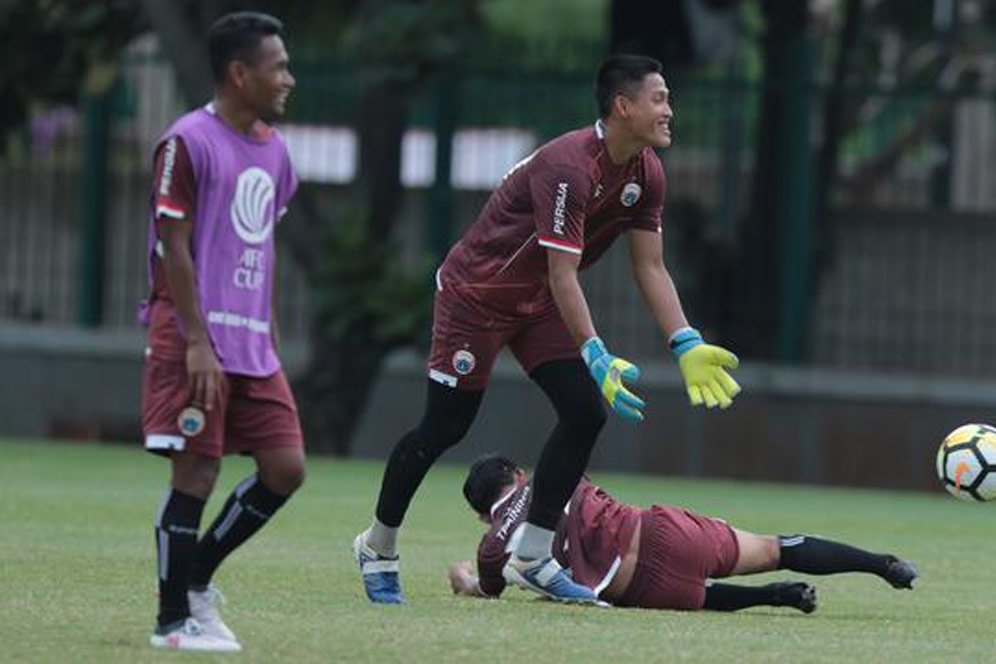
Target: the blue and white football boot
pixel 546 577
pixel 380 574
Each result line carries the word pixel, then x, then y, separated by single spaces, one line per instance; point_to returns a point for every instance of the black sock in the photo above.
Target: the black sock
pixel 176 526
pixel 812 555
pixel 580 417
pixel 730 597
pixel 247 509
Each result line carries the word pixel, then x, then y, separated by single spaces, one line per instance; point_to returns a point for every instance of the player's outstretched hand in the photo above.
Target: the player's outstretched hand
pixel 459 573
pixel 609 372
pixel 703 367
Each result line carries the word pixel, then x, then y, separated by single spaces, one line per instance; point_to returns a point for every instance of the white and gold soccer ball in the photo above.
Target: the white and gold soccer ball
pixel 966 462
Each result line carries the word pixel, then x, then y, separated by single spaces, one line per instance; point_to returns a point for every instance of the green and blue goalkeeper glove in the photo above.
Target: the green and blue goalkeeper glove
pixel 608 372
pixel 704 369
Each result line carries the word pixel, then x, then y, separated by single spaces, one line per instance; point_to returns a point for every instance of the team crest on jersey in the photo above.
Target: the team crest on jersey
pixel 252 205
pixel 630 194
pixel 463 362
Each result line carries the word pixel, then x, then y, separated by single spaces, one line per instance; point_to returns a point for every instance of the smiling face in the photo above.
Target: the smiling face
pixel 265 83
pixel 646 113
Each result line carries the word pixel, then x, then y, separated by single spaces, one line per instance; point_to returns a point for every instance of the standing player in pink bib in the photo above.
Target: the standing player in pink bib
pixel 213 384
pixel 512 280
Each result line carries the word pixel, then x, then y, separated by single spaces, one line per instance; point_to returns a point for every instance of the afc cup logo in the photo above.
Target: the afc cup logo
pixel 463 362
pixel 252 205
pixel 630 194
pixel 191 421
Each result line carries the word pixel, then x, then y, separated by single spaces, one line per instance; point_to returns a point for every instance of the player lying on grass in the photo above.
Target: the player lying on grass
pixel 656 558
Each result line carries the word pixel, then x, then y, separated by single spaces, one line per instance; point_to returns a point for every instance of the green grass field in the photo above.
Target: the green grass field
pixel 78 579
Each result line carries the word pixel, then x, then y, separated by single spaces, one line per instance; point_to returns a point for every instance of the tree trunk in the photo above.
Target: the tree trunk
pixel 344 367
pixel 182 40
pixel 755 291
pixel 828 168
pixel 335 390
pixel 383 118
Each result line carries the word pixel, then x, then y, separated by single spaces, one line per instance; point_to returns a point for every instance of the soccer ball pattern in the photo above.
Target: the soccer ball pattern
pixel 966 462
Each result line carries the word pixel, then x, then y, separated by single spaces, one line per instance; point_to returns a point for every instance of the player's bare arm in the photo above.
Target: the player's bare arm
pixel 655 283
pixel 562 268
pixel 703 366
pixel 203 369
pixel 607 370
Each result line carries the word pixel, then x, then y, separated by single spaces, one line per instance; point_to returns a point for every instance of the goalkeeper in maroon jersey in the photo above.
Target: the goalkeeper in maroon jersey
pixel 657 558
pixel 512 280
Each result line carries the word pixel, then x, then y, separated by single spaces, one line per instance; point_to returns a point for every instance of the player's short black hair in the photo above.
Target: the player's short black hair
pixel 236 36
pixel 622 74
pixel 487 477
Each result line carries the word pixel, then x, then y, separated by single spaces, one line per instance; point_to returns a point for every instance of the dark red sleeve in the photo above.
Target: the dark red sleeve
pixel 491 558
pixel 174 186
pixel 650 209
pixel 560 196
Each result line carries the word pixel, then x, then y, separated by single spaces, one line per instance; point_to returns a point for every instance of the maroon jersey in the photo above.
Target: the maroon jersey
pixel 591 537
pixel 566 196
pixel 174 192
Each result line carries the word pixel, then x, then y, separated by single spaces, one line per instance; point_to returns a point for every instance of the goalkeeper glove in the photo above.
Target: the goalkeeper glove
pixel 704 369
pixel 608 372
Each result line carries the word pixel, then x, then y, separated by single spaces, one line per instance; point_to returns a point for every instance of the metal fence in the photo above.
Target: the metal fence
pixel 907 267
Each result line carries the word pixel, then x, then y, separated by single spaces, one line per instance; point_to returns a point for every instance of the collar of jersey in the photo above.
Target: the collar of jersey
pixel 501 501
pixel 600 129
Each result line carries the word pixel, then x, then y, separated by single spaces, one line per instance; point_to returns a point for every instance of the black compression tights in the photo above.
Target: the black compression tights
pixel 580 417
pixel 448 414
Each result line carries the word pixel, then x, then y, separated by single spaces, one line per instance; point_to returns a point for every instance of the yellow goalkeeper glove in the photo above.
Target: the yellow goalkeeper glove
pixel 704 369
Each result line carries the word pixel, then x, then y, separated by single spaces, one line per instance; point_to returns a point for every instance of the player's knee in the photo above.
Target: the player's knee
pixel 452 433
pixel 284 479
pixel 196 477
pixel 442 433
pixel 758 553
pixel 298 478
pixel 288 481
pixel 770 552
pixel 424 444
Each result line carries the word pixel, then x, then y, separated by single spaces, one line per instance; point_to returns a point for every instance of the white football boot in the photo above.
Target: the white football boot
pixel 204 609
pixel 190 635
